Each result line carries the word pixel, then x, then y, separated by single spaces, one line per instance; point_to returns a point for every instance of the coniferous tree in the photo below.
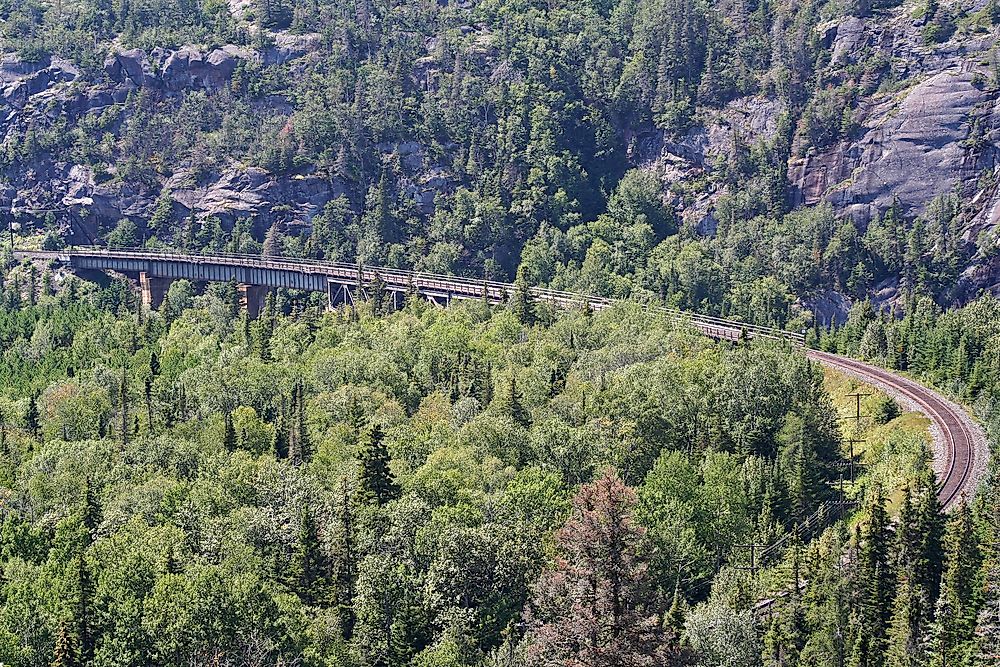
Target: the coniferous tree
pixel 827 600
pixel 930 537
pixel 376 483
pixel 32 421
pixel 147 394
pixel 279 438
pixel 377 290
pixel 264 327
pixel 521 302
pixel 345 573
pixel 876 581
pixel 309 569
pixel 514 403
pixel 955 613
pixel 229 432
pixel 78 638
pixel 913 606
pixel 597 606
pixel 806 483
pixel 66 650
pixel 787 635
pixel 154 364
pixel 987 645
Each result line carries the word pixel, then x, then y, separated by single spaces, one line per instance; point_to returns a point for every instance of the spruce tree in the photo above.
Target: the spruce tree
pixel 147 395
pixel 910 618
pixel 77 604
pixel 789 631
pixel 66 651
pixel 913 605
pixel 229 432
pixel 596 605
pixel 154 364
pixel 520 304
pixel 987 649
pixel 930 529
pixel 876 580
pixel 806 483
pixel 862 655
pixel 955 613
pixel 376 483
pixel 345 563
pixel 377 290
pixel 32 421
pixel 279 438
pixel 309 568
pixel 515 403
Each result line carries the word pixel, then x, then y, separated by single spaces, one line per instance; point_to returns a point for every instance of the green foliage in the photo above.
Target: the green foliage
pixel 124 235
pixel 478 143
pixel 376 483
pixel 372 492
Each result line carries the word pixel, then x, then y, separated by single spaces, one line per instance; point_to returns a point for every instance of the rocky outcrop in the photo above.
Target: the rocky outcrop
pixel 252 193
pixel 129 66
pixel 20 80
pixel 188 68
pixel 174 71
pixel 288 47
pixel 912 150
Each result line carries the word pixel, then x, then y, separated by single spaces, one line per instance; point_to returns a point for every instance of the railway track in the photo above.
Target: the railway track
pixel 960 451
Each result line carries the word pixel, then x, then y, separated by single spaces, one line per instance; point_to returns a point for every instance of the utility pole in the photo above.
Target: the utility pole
pixel 754 562
pixel 855 436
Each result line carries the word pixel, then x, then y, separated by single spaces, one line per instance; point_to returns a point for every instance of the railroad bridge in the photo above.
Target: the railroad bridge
pixel 960 452
pixel 256 275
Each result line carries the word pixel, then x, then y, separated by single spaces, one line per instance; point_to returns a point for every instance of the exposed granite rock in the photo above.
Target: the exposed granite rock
pixel 189 68
pixel 19 81
pixel 752 119
pixel 175 71
pixel 288 47
pixel 913 152
pixel 252 193
pixel 851 36
pixel 131 65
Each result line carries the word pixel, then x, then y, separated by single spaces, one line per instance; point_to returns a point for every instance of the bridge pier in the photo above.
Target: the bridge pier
pixel 339 294
pixel 154 289
pixel 252 298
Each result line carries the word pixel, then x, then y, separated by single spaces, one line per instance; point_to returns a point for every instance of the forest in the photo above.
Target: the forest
pixel 466 486
pixel 485 485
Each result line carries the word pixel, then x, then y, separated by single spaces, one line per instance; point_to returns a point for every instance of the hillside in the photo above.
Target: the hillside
pixel 188 487
pixel 759 159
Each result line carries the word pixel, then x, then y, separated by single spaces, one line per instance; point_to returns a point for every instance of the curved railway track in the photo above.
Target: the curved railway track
pixel 960 451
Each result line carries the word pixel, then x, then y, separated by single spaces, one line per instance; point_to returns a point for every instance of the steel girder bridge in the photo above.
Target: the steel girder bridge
pixel 960 452
pixel 342 282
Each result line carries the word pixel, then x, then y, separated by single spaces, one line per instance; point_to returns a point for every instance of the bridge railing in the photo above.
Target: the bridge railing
pixel 400 278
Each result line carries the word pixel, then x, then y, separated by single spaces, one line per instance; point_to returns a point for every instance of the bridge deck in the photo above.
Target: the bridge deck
pixel 319 276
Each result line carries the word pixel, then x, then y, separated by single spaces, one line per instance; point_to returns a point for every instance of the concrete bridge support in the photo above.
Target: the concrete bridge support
pixel 252 298
pixel 154 289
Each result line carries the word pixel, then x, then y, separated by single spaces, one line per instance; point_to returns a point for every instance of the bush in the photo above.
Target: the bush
pixel 885 410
